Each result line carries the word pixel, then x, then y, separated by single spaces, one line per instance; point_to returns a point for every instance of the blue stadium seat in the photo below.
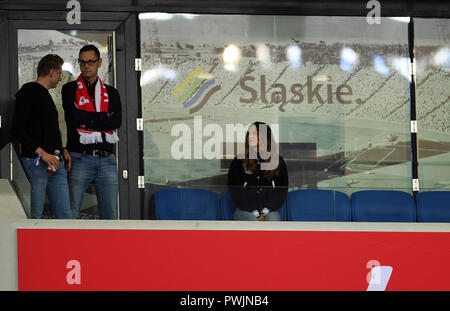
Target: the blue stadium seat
pixel 433 206
pixel 318 205
pixel 283 211
pixel 186 204
pixel 383 206
pixel 227 207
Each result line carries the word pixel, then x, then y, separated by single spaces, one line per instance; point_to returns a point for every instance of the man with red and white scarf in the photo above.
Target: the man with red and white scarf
pixel 93 114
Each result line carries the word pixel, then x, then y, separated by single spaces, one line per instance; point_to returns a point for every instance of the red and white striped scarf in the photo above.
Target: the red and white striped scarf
pixel 83 102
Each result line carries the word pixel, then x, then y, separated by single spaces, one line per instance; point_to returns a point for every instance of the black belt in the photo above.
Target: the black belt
pixel 97 153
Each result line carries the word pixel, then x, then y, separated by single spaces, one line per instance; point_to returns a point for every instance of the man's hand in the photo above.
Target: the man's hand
pixel 261 217
pixel 51 160
pixel 67 160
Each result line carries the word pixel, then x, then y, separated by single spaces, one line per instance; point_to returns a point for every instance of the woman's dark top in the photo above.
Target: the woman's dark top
pixel 252 191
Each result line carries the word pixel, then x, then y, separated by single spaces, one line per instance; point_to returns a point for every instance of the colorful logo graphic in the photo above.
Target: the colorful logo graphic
pixel 195 84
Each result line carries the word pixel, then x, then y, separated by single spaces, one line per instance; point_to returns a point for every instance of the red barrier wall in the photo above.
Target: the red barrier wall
pixel 63 259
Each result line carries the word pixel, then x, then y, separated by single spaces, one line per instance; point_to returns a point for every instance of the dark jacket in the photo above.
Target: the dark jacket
pixel 252 191
pixel 94 121
pixel 35 121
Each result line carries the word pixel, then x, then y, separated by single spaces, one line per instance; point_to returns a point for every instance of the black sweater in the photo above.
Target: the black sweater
pixel 35 121
pixel 252 191
pixel 94 121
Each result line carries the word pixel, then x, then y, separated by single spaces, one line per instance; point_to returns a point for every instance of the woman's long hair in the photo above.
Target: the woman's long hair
pixel 266 146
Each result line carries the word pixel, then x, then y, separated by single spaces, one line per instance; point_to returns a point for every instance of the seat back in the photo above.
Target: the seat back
pixel 318 205
pixel 186 204
pixel 433 206
pixel 227 207
pixel 383 206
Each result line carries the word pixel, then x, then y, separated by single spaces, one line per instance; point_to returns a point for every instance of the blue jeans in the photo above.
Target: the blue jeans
pixel 54 185
pixel 102 171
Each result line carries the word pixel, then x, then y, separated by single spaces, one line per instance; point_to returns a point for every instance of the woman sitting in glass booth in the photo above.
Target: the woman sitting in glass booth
pixel 258 178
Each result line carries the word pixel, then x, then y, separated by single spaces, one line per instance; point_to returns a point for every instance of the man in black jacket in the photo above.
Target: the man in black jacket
pixel 93 115
pixel 35 126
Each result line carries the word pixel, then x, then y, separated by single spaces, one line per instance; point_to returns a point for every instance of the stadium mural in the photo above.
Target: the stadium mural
pixel 336 89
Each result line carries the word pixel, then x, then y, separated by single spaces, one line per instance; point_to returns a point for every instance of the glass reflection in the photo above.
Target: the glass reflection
pixel 69 68
pixel 401 65
pixel 294 55
pixel 405 19
pixel 263 54
pixel 155 16
pixel 379 65
pixel 442 58
pixel 158 72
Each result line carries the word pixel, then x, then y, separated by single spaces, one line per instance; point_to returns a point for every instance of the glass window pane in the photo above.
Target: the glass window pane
pixel 335 91
pixel 432 48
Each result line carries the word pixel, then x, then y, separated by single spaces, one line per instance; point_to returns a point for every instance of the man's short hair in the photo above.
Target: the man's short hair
pixel 90 47
pixel 48 62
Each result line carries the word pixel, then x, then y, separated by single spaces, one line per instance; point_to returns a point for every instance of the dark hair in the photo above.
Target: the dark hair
pixel 48 62
pixel 251 163
pixel 90 47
